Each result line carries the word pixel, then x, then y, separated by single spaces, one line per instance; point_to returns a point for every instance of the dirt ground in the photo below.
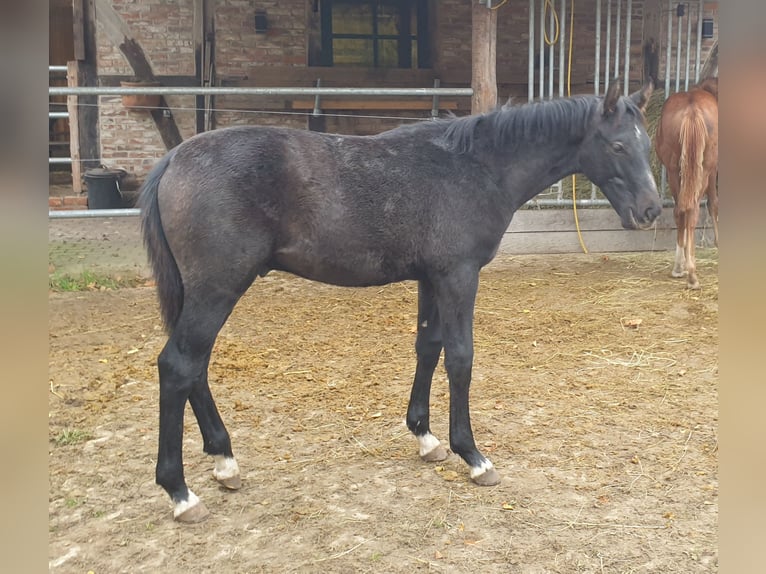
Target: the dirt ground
pixel 594 394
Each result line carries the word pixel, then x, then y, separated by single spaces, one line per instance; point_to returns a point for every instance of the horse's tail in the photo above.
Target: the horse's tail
pixel 693 140
pixel 170 289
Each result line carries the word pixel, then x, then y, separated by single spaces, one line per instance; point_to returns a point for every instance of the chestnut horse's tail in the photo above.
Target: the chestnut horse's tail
pixel 693 140
pixel 170 289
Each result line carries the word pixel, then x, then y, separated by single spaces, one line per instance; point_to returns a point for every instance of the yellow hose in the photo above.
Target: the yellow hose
pixel 569 93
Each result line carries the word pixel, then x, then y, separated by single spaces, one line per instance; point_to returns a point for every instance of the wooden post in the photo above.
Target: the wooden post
pixel 84 144
pixel 483 58
pixel 73 79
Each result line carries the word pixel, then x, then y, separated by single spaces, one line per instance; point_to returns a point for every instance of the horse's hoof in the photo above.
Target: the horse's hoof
pixel 489 477
pixel 693 286
pixel 232 483
pixel 196 513
pixel 226 472
pixel 438 454
pixel 677 274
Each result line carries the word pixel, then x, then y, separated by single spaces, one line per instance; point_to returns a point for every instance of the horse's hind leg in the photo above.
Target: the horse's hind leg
pixel 679 264
pixel 183 367
pixel 712 202
pixel 215 437
pixel 428 347
pixel 692 217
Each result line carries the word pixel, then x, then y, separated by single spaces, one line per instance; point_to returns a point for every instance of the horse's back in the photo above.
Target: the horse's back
pixel 679 109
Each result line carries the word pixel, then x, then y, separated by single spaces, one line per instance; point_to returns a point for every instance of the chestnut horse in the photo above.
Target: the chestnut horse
pixel 687 145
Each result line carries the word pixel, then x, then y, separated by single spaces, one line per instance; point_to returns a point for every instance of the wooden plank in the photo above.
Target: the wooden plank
pixel 373 104
pixel 78 29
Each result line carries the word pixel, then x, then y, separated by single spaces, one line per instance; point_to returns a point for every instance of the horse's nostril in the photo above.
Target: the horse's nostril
pixel 652 213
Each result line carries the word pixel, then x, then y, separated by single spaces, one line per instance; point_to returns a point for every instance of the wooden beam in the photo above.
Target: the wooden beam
pixel 78 29
pixel 483 58
pixel 83 123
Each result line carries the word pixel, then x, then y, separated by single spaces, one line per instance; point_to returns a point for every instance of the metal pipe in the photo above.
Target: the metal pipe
pixel 542 50
pixel 551 53
pixel 628 23
pixel 688 46
pixel 617 28
pixel 678 54
pixel 700 12
pixel 90 213
pixel 545 202
pixel 56 69
pixel 668 50
pixel 562 42
pixel 608 43
pixel 531 53
pixel 58 115
pixel 59 160
pixel 597 58
pixel 231 91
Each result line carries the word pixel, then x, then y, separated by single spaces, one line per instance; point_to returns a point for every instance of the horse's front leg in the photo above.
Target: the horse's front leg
pixel 456 296
pixel 428 347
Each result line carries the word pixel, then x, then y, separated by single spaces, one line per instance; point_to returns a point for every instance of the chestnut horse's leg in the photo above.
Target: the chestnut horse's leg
pixel 428 347
pixel 455 297
pixel 712 202
pixel 690 221
pixel 679 265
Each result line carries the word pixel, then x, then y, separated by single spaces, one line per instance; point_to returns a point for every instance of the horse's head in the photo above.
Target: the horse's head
pixel 615 156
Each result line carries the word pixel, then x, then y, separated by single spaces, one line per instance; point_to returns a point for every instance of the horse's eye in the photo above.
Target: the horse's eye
pixel 618 147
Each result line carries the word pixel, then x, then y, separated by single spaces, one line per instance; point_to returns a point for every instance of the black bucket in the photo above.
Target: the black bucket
pixel 103 185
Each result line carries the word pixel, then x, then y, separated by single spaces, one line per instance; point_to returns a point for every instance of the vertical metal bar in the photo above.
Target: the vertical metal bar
pixel 597 62
pixel 700 13
pixel 628 24
pixel 542 50
pixel 678 55
pixel 317 100
pixel 562 42
pixel 597 65
pixel 617 28
pixel 688 45
pixel 608 43
pixel 531 53
pixel 435 100
pixel 551 53
pixel 668 50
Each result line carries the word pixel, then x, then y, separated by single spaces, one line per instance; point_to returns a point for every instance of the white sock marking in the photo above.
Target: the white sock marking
pixel 185 505
pixel 428 443
pixel 225 467
pixel 481 469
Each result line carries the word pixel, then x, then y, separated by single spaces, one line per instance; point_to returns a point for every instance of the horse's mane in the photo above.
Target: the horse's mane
pixel 709 84
pixel 524 123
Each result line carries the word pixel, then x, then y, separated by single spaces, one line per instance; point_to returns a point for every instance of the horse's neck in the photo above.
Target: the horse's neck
pixel 537 167
pixel 534 166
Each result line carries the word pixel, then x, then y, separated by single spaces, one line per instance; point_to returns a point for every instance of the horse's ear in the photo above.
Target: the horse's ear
pixel 612 97
pixel 641 97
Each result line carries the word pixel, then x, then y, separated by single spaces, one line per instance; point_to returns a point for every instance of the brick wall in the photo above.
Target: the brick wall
pixel 163 28
pixel 130 140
